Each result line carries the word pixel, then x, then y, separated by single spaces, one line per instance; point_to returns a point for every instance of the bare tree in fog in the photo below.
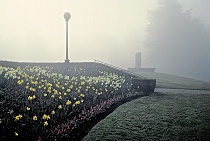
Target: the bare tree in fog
pixel 178 43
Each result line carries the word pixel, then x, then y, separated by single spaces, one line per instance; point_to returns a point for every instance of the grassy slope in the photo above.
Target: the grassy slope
pixel 157 117
pixel 172 81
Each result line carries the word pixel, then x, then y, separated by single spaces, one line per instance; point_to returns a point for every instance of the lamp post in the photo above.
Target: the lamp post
pixel 67 16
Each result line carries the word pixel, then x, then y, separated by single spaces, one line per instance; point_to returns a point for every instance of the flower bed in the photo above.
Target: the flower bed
pixel 42 103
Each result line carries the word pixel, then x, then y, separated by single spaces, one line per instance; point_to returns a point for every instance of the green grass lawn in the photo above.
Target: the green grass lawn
pixel 173 81
pixel 157 117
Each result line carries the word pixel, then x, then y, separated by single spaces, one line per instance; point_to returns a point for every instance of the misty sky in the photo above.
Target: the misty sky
pixel 107 30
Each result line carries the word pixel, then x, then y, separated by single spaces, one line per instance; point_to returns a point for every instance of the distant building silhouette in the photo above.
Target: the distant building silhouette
pixel 138 67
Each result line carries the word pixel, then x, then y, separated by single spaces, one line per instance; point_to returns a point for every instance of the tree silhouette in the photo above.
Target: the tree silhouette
pixel 178 43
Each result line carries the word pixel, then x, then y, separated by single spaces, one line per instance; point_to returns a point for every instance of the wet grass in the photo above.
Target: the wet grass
pixel 157 117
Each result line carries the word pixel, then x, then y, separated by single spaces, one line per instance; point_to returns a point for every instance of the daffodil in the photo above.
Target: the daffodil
pixel 34 118
pixel 82 95
pixel 30 98
pixel 46 117
pixel 65 94
pixel 82 100
pixel 19 82
pixel 70 87
pixel 16 134
pixel 53 112
pixel 68 90
pixel 26 87
pixel 49 84
pixel 68 102
pixel 32 89
pixel 27 108
pixel 35 83
pixel 45 94
pixel 45 123
pixel 18 117
pixel 52 96
pixel 34 96
pixel 56 92
pixel 82 83
pixel 59 107
pixel 77 102
pixel 31 77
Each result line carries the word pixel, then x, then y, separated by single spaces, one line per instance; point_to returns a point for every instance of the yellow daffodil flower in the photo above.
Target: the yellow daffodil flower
pixel 82 100
pixel 59 107
pixel 31 77
pixel 45 123
pixel 19 82
pixel 77 102
pixel 34 118
pixel 18 117
pixel 45 117
pixel 56 92
pixel 32 89
pixel 30 97
pixel 65 94
pixel 82 83
pixel 16 134
pixel 27 108
pixel 52 96
pixel 45 95
pixel 49 85
pixel 68 102
pixel 68 90
pixel 34 96
pixel 82 95
pixel 53 112
pixel 49 91
pixel 26 87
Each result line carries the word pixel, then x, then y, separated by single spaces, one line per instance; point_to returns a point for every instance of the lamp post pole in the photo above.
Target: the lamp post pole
pixel 67 16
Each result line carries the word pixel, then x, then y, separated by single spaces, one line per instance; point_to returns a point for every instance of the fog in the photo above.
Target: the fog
pixel 178 43
pixel 111 31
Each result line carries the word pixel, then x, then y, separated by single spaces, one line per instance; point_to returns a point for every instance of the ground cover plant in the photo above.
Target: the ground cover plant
pixel 158 116
pixel 49 103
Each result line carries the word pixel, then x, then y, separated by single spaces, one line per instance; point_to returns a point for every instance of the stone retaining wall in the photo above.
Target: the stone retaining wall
pixel 145 85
